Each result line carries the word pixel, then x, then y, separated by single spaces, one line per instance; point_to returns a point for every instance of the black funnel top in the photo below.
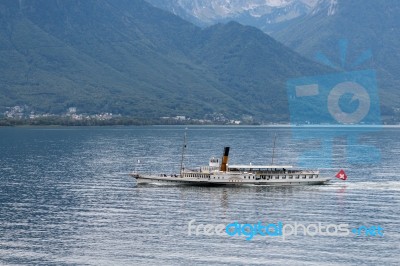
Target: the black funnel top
pixel 226 151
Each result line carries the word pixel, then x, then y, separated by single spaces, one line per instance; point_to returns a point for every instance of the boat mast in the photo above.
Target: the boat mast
pixel 273 150
pixel 183 152
pixel 136 166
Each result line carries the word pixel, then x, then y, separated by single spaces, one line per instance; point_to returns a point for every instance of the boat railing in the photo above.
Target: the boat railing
pixel 287 172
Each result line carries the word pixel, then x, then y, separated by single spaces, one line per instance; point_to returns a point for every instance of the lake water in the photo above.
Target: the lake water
pixel 66 196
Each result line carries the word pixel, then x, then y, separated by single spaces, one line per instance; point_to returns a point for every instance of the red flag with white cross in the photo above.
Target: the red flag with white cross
pixel 341 175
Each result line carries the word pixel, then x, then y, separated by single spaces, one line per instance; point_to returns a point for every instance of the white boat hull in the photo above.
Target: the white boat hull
pixel 232 181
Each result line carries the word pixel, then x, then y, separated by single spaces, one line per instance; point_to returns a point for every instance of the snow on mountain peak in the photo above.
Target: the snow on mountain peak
pixel 329 7
pixel 332 7
pixel 260 13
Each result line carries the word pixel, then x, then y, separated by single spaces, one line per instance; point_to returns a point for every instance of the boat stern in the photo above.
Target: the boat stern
pixel 134 175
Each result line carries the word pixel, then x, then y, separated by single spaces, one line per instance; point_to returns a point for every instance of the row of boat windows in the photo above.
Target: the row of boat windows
pixel 281 177
pixel 164 175
pixel 203 176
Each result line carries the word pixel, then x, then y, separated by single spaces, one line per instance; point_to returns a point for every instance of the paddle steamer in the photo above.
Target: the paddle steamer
pixel 219 172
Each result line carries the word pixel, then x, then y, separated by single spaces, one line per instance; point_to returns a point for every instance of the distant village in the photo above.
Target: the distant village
pixel 25 113
pixel 215 118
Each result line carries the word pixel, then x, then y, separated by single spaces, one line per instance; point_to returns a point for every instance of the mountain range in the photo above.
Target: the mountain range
pixel 268 15
pixel 130 58
pixel 315 29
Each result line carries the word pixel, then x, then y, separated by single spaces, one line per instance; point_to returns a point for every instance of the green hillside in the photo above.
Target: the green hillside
pixel 366 25
pixel 130 58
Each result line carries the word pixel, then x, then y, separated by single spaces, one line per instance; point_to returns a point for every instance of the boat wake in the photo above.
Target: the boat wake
pixel 366 185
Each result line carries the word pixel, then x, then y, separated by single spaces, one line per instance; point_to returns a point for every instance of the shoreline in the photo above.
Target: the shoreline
pixel 155 124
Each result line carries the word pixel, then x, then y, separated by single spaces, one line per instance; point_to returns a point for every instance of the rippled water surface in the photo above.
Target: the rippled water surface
pixel 66 196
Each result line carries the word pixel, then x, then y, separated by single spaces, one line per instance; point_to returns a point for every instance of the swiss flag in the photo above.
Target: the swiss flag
pixel 341 175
